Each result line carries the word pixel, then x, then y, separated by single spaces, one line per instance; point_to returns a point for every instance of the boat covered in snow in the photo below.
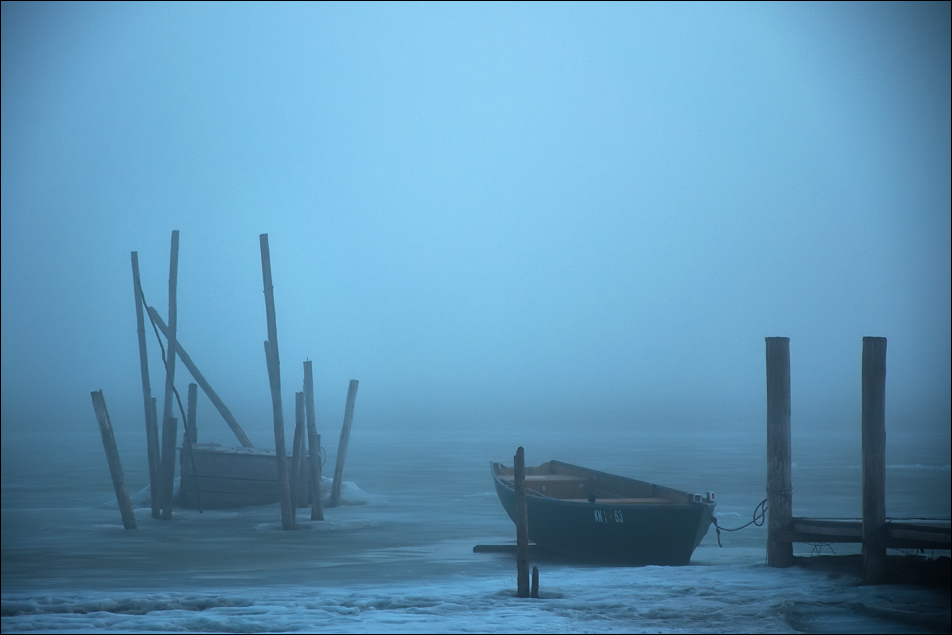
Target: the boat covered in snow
pixel 602 517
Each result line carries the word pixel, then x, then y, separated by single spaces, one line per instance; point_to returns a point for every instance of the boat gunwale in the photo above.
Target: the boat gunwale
pixel 614 502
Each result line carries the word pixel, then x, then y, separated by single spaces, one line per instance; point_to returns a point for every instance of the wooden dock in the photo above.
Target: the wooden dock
pixel 874 530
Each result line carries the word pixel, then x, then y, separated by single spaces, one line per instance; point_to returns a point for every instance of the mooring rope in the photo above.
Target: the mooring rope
pixel 760 516
pixel 187 438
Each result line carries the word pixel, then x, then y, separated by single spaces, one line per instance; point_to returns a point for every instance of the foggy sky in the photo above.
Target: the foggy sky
pixel 578 215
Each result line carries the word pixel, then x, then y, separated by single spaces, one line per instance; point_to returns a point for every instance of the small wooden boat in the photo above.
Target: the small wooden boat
pixel 597 516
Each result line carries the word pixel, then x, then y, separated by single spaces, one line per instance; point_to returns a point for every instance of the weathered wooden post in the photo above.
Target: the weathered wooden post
pixel 522 524
pixel 169 435
pixel 342 444
pixel 874 459
pixel 534 593
pixel 112 457
pixel 191 424
pixel 274 374
pixel 779 486
pixel 314 443
pixel 298 493
pixel 203 383
pixel 170 380
pixel 151 425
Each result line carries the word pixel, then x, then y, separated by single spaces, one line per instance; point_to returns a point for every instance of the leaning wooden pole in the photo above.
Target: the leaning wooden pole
pixel 342 444
pixel 522 524
pixel 202 382
pixel 874 459
pixel 274 373
pixel 191 424
pixel 112 456
pixel 151 425
pixel 779 486
pixel 170 376
pixel 314 444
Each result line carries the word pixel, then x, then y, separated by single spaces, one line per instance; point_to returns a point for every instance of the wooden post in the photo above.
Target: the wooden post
pixel 151 425
pixel 170 375
pixel 191 423
pixel 280 451
pixel 534 592
pixel 206 387
pixel 874 459
pixel 169 435
pixel 112 456
pixel 342 444
pixel 522 524
pixel 297 453
pixel 314 443
pixel 779 486
pixel 274 375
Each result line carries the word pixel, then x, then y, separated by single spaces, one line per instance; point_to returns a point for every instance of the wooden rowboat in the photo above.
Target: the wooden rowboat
pixel 597 516
pixel 234 477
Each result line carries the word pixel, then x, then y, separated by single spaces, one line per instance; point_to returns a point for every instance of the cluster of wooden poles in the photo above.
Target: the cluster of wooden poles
pixel 161 459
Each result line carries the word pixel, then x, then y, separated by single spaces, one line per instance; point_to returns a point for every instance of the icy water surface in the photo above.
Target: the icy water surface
pixel 398 556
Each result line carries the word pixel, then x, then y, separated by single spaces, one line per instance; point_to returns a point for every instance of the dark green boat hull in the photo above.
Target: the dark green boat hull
pixel 655 534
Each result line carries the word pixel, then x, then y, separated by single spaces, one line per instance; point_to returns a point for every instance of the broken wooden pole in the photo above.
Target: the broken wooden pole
pixel 191 423
pixel 342 444
pixel 169 435
pixel 779 486
pixel 314 444
pixel 874 459
pixel 170 372
pixel 298 493
pixel 534 592
pixel 522 524
pixel 151 425
pixel 112 457
pixel 203 383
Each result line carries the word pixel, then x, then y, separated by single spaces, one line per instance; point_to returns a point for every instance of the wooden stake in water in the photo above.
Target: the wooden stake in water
pixel 342 444
pixel 534 592
pixel 112 457
pixel 779 487
pixel 151 425
pixel 169 435
pixel 298 493
pixel 281 456
pixel 874 459
pixel 170 381
pixel 522 524
pixel 314 443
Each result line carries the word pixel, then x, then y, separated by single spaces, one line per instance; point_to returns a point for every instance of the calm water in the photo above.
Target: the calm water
pixel 399 557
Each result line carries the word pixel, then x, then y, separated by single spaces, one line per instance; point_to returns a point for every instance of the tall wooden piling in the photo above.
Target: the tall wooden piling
pixel 274 366
pixel 314 444
pixel 342 444
pixel 169 436
pixel 170 375
pixel 779 486
pixel 203 383
pixel 112 457
pixel 874 459
pixel 522 524
pixel 151 425
pixel 298 493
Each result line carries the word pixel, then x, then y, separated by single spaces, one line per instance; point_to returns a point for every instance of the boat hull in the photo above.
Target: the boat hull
pixel 648 534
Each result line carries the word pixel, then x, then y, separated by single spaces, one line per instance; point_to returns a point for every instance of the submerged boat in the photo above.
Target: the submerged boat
pixel 597 516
